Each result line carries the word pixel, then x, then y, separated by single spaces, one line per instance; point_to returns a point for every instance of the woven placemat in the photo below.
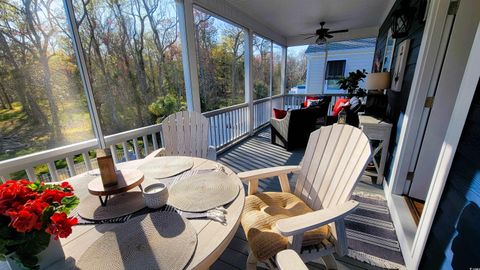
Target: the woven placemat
pixel 203 192
pixel 117 206
pixel 160 240
pixel 163 167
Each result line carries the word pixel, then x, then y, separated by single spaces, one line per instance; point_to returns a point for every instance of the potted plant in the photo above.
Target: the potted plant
pixel 33 216
pixel 355 93
pixel 350 83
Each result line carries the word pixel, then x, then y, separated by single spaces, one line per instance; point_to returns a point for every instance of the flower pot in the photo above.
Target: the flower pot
pixel 11 264
pixel 47 257
pixel 54 252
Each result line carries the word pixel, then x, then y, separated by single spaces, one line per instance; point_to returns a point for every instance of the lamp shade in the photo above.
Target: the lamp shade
pixel 378 81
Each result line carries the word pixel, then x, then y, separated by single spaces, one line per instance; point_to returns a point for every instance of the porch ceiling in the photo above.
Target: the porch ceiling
pixel 291 19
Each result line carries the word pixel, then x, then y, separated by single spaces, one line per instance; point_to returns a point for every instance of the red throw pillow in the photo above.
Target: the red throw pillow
pixel 339 105
pixel 279 114
pixel 307 98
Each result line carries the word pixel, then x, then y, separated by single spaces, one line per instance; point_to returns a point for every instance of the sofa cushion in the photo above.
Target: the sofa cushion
pixel 279 114
pixel 307 98
pixel 339 105
pixel 260 214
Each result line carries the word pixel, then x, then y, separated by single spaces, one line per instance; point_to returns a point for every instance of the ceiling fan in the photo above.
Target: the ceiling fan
pixel 323 34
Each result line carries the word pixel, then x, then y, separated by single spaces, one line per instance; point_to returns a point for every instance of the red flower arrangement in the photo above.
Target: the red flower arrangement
pixel 30 213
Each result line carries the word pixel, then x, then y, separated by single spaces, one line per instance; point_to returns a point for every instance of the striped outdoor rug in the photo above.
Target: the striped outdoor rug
pixel 371 235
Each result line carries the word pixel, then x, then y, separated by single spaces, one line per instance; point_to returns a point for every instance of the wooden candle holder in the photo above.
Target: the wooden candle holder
pixel 106 167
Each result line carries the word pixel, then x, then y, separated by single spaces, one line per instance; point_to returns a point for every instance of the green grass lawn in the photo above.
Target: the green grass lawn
pixel 21 137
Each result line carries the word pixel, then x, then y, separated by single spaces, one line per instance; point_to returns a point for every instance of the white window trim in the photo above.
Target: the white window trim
pixel 325 88
pixel 412 249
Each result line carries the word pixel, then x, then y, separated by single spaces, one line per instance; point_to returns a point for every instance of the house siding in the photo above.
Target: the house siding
pixel 455 236
pixel 315 74
pixel 355 59
pixel 398 100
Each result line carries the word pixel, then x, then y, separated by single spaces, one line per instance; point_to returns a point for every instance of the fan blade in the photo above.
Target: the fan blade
pixel 328 36
pixel 309 37
pixel 338 31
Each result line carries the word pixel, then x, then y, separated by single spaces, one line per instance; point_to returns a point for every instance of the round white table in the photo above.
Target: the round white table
pixel 213 237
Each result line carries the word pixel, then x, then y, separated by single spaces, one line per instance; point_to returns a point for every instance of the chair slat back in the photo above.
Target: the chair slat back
pixel 335 159
pixel 186 134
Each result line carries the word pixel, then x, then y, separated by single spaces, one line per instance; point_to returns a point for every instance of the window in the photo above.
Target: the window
pixel 42 100
pixel 335 71
pixel 221 61
pixel 262 55
pixel 134 60
pixel 277 70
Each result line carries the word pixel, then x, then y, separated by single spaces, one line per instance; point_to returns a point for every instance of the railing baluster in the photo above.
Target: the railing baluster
pixel 71 166
pixel 217 130
pixel 125 151
pixel 155 141
pixel 135 147
pixel 232 126
pixel 53 171
pixel 86 159
pixel 212 130
pixel 145 144
pixel 222 129
pixel 236 121
pixel 31 174
pixel 245 122
pixel 113 149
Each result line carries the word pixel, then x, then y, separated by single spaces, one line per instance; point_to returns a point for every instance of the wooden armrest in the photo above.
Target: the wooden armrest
pixel 267 172
pixel 306 222
pixel 157 153
pixel 289 260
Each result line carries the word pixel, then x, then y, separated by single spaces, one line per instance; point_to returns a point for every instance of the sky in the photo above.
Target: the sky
pixel 296 50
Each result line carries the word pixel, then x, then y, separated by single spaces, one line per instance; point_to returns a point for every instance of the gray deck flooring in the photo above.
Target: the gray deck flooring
pixel 255 153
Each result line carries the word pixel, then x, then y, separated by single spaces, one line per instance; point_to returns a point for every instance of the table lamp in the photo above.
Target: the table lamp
pixel 378 81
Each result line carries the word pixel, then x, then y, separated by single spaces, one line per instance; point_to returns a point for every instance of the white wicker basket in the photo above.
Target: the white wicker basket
pixel 156 195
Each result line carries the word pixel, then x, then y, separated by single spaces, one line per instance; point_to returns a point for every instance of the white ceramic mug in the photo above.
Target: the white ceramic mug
pixel 155 195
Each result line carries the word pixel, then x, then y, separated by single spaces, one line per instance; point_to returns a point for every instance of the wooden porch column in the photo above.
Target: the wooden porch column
pixel 271 81
pixel 249 78
pixel 189 54
pixel 283 70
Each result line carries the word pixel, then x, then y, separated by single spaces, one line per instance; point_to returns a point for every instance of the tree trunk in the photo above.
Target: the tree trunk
pixel 57 129
pixel 126 42
pixel 6 102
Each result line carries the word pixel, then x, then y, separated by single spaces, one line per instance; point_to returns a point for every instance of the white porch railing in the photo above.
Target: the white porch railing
pixel 227 125
pixel 125 146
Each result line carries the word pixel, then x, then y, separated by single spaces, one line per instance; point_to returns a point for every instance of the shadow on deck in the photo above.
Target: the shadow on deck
pixel 255 153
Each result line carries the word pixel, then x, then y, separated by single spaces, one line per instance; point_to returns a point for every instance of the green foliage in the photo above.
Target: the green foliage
pixel 260 89
pixel 26 245
pixel 166 105
pixel 15 113
pixel 350 83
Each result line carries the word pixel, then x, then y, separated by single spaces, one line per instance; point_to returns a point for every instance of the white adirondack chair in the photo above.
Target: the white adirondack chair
pixel 289 260
pixel 185 134
pixel 313 215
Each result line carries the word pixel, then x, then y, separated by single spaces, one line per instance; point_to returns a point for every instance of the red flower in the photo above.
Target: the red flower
pixel 66 186
pixel 24 221
pixel 53 195
pixel 14 193
pixel 36 206
pixel 61 225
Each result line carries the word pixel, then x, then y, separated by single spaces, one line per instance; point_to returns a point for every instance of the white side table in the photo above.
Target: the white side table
pixel 377 130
